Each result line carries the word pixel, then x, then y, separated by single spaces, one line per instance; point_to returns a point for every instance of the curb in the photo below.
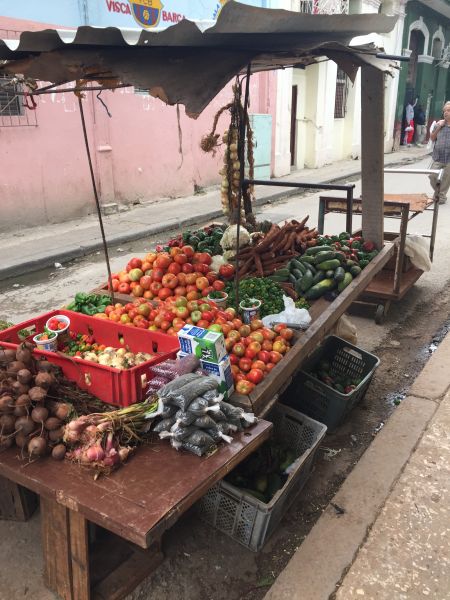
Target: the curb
pixel 71 253
pixel 338 538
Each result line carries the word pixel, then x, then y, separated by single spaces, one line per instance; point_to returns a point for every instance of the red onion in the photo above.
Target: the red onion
pixel 95 453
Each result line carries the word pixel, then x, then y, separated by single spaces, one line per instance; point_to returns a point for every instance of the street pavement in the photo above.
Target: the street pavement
pixel 29 250
pixel 386 533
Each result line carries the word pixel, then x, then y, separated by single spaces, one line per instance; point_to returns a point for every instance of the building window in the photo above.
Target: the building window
pixel 11 104
pixel 141 91
pixel 340 100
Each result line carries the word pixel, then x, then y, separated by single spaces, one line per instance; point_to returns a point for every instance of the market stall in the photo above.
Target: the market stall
pixel 176 306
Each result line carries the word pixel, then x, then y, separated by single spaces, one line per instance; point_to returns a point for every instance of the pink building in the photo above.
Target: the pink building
pixel 138 153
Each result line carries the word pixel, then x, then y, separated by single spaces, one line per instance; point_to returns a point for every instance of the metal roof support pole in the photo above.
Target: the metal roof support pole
pixel 372 154
pixel 97 201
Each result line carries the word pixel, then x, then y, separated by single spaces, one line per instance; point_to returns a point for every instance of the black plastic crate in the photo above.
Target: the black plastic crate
pixel 322 402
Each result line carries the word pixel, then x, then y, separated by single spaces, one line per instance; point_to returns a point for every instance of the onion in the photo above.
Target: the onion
pixel 25 424
pixel 123 454
pixel 62 411
pixel 56 434
pixel 37 446
pixel 6 404
pixel 76 425
pixel 59 452
pixel 7 424
pixel 24 376
pixel 52 423
pixel 23 355
pixel 95 453
pixel 20 388
pixel 6 441
pixel 71 437
pixel 44 380
pixel 37 394
pixel 39 414
pixel 15 366
pixel 21 439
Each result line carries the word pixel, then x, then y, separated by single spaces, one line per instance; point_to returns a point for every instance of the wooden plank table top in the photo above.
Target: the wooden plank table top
pixel 382 286
pixel 417 203
pixel 144 497
pixel 324 316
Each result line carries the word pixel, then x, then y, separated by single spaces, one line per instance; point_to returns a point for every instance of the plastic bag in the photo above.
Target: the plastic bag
pixel 198 450
pixel 168 411
pixel 164 425
pixel 185 418
pixel 200 438
pixel 178 432
pixel 416 247
pixel 346 330
pixel 200 407
pixel 291 315
pixel 186 364
pixel 205 422
pixel 165 370
pixel 157 383
pixel 176 384
pixel 183 396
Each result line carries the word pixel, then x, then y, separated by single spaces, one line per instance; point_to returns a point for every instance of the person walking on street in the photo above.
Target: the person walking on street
pixel 420 125
pixel 409 123
pixel 441 153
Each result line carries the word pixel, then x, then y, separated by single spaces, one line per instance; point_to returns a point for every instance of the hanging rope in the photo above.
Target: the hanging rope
pixel 97 201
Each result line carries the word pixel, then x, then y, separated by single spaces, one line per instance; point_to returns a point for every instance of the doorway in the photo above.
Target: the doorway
pixel 293 144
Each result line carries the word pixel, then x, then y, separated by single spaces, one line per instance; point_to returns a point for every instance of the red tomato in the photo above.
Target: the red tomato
pixel 245 330
pixel 279 326
pixel 267 345
pixel 208 315
pixel 275 356
pixel 245 364
pixel 270 366
pixel 164 293
pixel 123 288
pixel 255 375
pixel 234 335
pixel 170 281
pixel 268 334
pixel 203 257
pixel 257 336
pixel 259 364
pixel 163 261
pixel 187 268
pixel 218 285
pixel 226 271
pixel 157 274
pixel 201 283
pixel 234 359
pixel 181 259
pixel 145 282
pixel 203 269
pixel 286 333
pixel 203 324
pixel 238 349
pixel 155 286
pixel 244 387
pixel 264 356
pixel 135 263
pixel 174 268
pixel 256 324
pixel 280 347
pixel 254 347
pixel 249 353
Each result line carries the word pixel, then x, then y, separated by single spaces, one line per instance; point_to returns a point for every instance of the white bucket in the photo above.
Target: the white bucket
pixel 51 345
pixel 250 312
pixel 61 319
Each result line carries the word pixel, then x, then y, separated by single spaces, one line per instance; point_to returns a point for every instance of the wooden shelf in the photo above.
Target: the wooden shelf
pixel 382 286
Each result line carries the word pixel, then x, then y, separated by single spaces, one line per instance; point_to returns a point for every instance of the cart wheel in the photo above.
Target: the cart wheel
pixel 380 315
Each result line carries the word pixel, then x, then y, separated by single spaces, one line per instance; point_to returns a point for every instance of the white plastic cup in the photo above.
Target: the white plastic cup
pixel 250 312
pixel 51 345
pixel 220 302
pixel 61 319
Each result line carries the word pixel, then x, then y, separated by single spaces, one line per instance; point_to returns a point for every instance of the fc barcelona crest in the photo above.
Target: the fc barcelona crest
pixel 146 12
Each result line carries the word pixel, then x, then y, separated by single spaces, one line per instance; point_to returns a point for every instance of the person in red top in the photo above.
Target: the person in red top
pixel 441 153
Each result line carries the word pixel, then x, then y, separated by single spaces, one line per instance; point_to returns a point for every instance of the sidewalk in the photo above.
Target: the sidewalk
pixel 37 248
pixel 392 540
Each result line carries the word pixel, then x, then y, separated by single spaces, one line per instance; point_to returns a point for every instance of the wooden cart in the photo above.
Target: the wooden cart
pixel 399 275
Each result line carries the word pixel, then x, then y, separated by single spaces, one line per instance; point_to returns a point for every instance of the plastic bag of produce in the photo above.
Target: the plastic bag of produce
pixel 178 432
pixel 157 383
pixel 168 411
pixel 200 438
pixel 205 422
pixel 183 396
pixel 184 418
pixel 186 364
pixel 200 407
pixel 236 413
pixel 198 450
pixel 176 384
pixel 164 425
pixel 346 330
pixel 416 247
pixel 290 315
pixel 218 436
pixel 166 369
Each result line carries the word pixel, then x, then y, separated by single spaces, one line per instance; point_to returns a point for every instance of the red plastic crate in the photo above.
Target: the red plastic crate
pixel 114 386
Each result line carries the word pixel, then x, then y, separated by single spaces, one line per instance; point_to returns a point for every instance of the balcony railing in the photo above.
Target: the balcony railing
pixel 321 7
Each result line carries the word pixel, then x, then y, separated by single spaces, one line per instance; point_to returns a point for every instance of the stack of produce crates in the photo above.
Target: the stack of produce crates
pixel 321 401
pixel 243 517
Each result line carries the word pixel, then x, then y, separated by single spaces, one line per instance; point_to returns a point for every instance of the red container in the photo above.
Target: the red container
pixel 114 386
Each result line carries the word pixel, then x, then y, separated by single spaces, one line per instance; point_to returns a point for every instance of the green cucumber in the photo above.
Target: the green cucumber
pixel 312 269
pixel 315 249
pixel 345 282
pixel 319 276
pixel 292 279
pixel 297 273
pixel 316 291
pixel 282 272
pixel 298 287
pixel 333 264
pixel 323 256
pixel 296 264
pixel 307 260
pixel 307 281
pixel 355 270
pixel 329 274
pixel 339 274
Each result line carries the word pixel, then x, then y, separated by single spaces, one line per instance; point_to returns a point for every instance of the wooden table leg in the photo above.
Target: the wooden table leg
pixel 66 551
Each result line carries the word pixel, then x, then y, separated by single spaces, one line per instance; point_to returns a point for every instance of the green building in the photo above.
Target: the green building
pixel 426 40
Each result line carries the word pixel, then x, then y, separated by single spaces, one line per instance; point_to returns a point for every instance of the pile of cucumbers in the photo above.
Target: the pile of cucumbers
pixel 318 271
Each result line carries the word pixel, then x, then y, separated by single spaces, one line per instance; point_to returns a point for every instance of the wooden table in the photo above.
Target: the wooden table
pixel 324 317
pixel 138 503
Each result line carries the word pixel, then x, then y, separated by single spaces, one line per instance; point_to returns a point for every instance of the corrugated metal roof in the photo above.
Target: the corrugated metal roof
pixel 188 64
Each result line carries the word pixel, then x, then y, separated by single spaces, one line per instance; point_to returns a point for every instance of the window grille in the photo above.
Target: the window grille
pixel 340 101
pixel 12 110
pixel 322 7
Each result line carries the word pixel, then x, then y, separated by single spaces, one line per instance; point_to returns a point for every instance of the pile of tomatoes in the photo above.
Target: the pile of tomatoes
pixel 180 272
pixel 254 349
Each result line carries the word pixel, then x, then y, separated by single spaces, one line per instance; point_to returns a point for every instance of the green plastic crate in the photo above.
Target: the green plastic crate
pixel 322 402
